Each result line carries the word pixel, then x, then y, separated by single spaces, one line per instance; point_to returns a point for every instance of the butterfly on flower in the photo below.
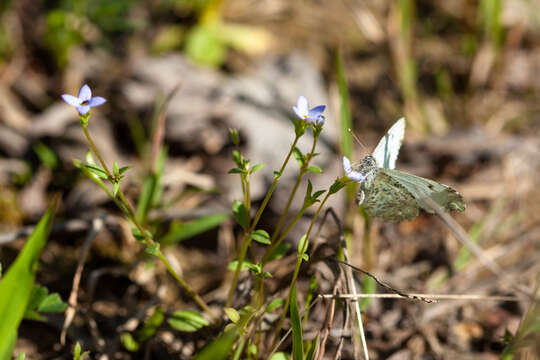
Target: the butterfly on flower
pixel 393 195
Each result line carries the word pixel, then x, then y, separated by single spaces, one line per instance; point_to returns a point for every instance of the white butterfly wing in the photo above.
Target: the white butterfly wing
pixel 387 150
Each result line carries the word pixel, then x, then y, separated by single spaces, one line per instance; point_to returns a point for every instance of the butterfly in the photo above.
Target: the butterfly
pixel 393 195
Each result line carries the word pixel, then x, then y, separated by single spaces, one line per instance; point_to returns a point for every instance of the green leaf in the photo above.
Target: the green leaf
pixel 315 169
pixel 39 293
pixel 298 156
pixel 46 155
pixel 96 170
pixel 252 350
pixel 302 245
pixel 116 170
pixel 314 345
pixel 77 355
pixel 152 249
pixel 256 168
pixel 220 348
pixel 232 314
pixel 368 287
pixel 52 304
pixel 274 304
pixel 181 231
pixel 146 197
pixel 235 138
pixel 280 356
pixel 151 325
pixel 336 186
pixel 298 344
pixel 124 169
pixel 236 171
pixel 305 257
pixel 187 321
pixel 240 213
pixel 233 264
pixel 317 194
pixel 90 158
pixel 116 187
pixel 280 250
pixel 151 190
pixel 238 159
pixel 16 286
pixel 139 235
pixel 129 342
pixel 204 45
pixel 277 174
pixel 21 356
pixel 261 236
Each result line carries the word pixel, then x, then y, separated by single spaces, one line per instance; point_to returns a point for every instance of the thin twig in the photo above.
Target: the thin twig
pixel 97 225
pixel 423 297
pixel 388 287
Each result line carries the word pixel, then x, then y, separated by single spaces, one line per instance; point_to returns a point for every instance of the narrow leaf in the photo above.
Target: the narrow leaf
pixel 298 345
pixel 232 314
pixel 298 156
pixel 187 321
pixel 240 213
pixel 220 348
pixel 181 231
pixel 256 168
pixel 261 236
pixel 151 325
pixel 315 169
pixel 16 286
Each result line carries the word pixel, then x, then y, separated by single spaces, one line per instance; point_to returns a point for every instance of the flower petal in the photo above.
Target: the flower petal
pixel 71 100
pixel 347 165
pixel 96 101
pixel 316 111
pixel 320 120
pixel 85 93
pixel 83 109
pixel 356 176
pixel 302 108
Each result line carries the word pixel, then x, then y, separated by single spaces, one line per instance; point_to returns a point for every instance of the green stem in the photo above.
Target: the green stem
pixel 303 171
pixel 247 236
pixel 297 271
pixel 95 150
pixel 125 206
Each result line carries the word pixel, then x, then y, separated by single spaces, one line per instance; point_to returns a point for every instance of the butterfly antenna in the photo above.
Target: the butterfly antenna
pixel 356 138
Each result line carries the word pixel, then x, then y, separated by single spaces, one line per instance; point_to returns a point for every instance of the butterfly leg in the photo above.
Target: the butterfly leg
pixel 360 196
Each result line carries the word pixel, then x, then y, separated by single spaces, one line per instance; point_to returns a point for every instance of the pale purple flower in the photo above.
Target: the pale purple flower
pixel 352 174
pixel 84 101
pixel 314 115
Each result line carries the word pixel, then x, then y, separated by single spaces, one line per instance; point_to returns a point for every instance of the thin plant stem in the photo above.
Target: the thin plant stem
pixel 303 171
pixel 275 244
pixel 297 271
pixel 125 206
pixel 247 235
pixel 95 150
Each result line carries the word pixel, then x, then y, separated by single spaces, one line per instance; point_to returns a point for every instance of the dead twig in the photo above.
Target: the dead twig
pixel 97 225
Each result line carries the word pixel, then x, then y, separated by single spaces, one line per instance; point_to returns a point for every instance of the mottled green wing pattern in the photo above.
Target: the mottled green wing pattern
pixel 422 188
pixel 388 199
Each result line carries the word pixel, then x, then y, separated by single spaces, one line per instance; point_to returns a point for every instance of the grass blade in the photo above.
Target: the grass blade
pixel 298 345
pixel 16 286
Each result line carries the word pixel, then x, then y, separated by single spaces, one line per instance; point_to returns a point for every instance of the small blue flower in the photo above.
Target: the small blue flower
pixel 352 174
pixel 84 101
pixel 311 116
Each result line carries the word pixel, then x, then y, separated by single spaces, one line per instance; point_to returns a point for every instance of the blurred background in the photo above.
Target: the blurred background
pixel 465 74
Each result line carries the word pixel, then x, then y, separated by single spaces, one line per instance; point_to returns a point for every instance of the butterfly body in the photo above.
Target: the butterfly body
pixel 384 197
pixel 393 195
